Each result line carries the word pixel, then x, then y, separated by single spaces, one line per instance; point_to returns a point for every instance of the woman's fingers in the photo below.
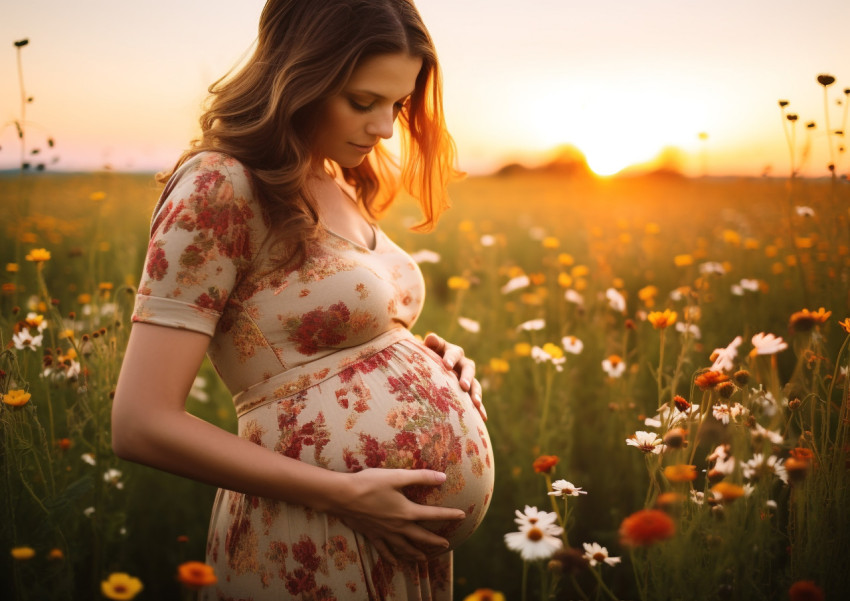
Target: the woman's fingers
pixel 455 359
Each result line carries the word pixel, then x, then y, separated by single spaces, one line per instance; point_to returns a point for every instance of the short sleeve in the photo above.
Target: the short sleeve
pixel 203 237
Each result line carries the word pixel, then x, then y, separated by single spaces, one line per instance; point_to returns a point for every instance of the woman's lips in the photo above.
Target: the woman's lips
pixel 365 149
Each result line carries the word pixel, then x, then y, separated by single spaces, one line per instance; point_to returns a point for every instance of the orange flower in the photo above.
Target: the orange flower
pixel 196 574
pixel 545 463
pixel 662 319
pixel 64 443
pixel 797 468
pixel 805 320
pixel 669 499
pixel 646 527
pixel 680 473
pixel 845 325
pixel 805 590
pixel 485 594
pixel 709 379
pixel 727 491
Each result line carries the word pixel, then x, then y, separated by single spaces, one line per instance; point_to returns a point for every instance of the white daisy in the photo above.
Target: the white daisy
pixel 425 256
pixel 759 466
pixel 531 516
pixel 572 345
pixel 535 541
pixel 23 340
pixel 470 325
pixel 648 442
pixel 712 267
pixel 614 366
pixel 532 325
pixel 573 297
pixel 724 358
pixel 566 489
pixel 517 283
pixel 596 553
pixel 616 301
pixel 768 344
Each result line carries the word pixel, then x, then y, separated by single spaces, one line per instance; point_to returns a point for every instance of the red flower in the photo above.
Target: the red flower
pixel 681 403
pixel 545 463
pixel 805 590
pixel 646 527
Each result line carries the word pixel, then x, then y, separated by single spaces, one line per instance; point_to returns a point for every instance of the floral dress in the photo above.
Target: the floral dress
pixel 323 368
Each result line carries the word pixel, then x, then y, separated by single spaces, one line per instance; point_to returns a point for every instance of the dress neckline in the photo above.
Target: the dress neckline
pixel 372 226
pixel 374 229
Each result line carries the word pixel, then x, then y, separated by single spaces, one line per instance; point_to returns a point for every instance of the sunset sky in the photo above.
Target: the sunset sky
pixel 120 83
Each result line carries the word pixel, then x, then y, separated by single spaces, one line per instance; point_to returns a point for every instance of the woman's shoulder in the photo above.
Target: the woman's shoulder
pixel 207 180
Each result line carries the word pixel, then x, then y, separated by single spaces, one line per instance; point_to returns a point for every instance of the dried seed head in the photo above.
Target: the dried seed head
pixel 783 103
pixel 825 80
pixel 742 377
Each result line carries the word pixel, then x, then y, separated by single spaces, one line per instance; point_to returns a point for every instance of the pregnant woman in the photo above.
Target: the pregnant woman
pixel 361 457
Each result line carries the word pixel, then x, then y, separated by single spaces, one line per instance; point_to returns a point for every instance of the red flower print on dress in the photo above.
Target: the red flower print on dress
pixel 319 328
pixel 157 265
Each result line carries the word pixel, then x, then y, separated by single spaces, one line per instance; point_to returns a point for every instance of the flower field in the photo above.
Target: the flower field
pixel 664 363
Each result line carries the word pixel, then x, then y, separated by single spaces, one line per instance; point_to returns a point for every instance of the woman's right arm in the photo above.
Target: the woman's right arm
pixel 151 426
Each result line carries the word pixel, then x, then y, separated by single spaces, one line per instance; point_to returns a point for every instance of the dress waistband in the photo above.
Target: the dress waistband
pixel 309 374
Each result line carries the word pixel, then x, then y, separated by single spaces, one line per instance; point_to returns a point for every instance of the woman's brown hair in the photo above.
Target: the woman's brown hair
pixel 264 114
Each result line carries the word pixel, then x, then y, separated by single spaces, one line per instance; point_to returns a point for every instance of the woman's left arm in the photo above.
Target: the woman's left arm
pixel 456 360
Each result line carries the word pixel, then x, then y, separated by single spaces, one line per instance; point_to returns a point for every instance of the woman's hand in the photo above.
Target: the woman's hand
pixel 456 360
pixel 373 504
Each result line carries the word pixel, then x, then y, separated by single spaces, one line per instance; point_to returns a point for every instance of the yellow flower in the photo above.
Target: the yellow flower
pixel 565 259
pixel 84 298
pixel 662 319
pixel 647 294
pixel 457 282
pixel 97 196
pixel 16 398
pixel 12 267
pixel 467 225
pixel 38 255
pixel 732 237
pixel 522 349
pixel 499 366
pixel 68 333
pixel 120 586
pixel 485 594
pixel 105 286
pixel 196 574
pixel 551 242
pixel 803 242
pixel 751 244
pixel 564 280
pixel 683 260
pixel 553 350
pixel 23 553
pixel 579 271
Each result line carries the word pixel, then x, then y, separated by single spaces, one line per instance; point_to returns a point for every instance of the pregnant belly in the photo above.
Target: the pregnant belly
pixel 398 408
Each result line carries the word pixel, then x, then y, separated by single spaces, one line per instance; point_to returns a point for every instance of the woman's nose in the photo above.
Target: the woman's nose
pixel 382 123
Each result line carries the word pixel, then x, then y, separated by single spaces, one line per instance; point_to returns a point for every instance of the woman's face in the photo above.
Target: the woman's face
pixel 353 121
